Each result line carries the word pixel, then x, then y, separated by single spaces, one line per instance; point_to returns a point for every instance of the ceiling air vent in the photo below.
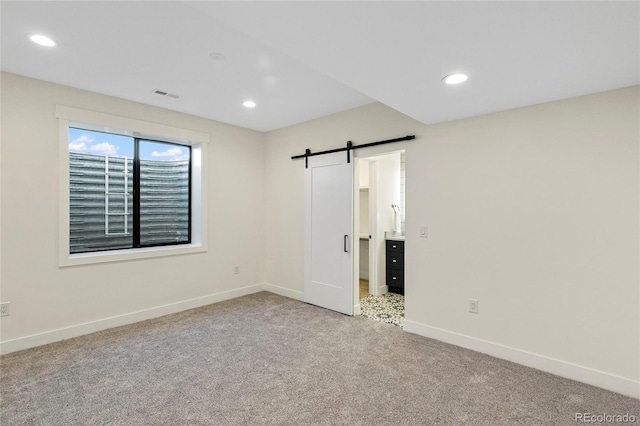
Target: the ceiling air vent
pixel 163 93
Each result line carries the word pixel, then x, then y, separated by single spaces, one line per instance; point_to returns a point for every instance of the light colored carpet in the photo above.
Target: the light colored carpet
pixel 267 360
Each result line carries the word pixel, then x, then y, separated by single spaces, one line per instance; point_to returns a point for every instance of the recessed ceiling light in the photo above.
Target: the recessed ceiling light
pixel 455 78
pixel 249 104
pixel 42 40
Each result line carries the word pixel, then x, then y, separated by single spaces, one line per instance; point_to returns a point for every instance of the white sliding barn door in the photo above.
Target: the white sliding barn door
pixel 328 236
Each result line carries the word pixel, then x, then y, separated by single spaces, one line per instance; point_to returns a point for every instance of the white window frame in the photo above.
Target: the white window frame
pixel 101 122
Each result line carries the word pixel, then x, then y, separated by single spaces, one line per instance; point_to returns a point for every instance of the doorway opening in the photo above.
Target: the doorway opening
pixel 379 207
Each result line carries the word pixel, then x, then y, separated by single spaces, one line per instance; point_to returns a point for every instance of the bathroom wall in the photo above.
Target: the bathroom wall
pixel 364 211
pixel 403 202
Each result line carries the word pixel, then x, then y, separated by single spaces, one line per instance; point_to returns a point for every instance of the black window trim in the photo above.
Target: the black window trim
pixel 136 195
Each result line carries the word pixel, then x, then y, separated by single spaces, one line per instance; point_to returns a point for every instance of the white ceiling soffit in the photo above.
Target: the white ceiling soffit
pixel 129 49
pixel 515 53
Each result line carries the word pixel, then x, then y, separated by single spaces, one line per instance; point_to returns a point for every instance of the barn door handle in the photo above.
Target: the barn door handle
pixel 346 247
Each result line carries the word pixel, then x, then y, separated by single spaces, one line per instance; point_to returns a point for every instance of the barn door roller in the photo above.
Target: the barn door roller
pixel 350 147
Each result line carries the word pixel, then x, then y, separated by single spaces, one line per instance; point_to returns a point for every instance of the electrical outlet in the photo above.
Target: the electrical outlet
pixel 4 309
pixel 236 269
pixel 473 306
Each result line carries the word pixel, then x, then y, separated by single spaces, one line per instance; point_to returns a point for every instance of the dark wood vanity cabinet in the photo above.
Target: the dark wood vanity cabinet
pixel 395 266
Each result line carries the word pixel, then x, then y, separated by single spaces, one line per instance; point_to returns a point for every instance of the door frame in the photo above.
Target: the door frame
pixel 373 227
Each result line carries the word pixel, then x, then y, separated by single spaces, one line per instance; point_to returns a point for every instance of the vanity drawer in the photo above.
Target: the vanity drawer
pixel 395 279
pixel 395 246
pixel 395 261
pixel 395 266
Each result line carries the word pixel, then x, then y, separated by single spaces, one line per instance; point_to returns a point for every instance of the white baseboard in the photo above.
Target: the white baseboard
pixel 561 368
pixel 297 295
pixel 283 291
pixel 56 335
pixel 565 369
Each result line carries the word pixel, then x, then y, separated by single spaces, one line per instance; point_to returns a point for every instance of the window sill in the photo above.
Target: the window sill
pixel 129 254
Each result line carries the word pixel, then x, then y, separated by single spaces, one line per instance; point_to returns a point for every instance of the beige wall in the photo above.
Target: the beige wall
pixel 65 301
pixel 533 212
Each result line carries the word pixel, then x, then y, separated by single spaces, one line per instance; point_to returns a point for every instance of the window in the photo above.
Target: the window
pixel 130 189
pixel 127 192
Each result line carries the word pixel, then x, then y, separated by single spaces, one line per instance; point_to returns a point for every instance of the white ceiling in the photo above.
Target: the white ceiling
pixel 303 60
